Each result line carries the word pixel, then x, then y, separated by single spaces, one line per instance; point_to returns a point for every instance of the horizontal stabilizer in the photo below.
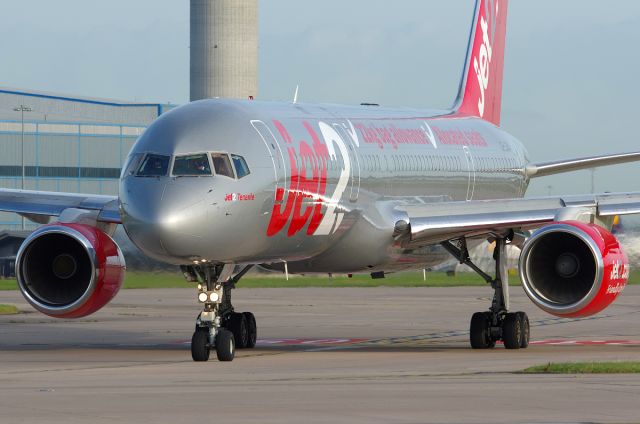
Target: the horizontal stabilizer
pixel 543 169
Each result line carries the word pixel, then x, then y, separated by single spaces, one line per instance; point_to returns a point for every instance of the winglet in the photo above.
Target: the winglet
pixel 480 92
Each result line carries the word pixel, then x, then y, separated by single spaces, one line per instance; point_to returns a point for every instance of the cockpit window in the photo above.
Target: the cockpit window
pixel 242 170
pixel 222 164
pixel 191 165
pixel 154 166
pixel 133 164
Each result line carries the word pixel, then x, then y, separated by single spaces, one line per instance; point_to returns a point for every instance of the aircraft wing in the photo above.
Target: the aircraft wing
pixel 438 222
pixel 544 169
pixel 39 205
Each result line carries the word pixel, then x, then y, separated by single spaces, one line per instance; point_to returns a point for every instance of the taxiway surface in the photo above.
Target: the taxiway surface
pixel 324 355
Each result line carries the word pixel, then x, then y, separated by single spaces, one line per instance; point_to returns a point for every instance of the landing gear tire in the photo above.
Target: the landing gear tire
pixel 480 331
pixel 252 329
pixel 225 345
pixel 512 331
pixel 218 326
pixel 237 324
pixel 526 332
pixel 497 323
pixel 200 348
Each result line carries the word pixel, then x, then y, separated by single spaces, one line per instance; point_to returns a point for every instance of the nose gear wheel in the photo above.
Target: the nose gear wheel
pixel 200 348
pixel 218 326
pixel 225 346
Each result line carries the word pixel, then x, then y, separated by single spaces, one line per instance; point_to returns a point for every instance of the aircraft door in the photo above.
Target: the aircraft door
pixel 471 167
pixel 352 143
pixel 275 152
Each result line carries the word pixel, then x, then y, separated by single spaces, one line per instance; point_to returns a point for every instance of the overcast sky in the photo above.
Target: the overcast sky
pixel 570 80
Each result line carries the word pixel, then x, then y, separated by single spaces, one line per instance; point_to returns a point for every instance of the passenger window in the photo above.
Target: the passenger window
pixel 191 165
pixel 154 166
pixel 222 164
pixel 242 170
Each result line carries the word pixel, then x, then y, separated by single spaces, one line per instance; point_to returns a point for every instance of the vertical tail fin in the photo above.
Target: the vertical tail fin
pixel 480 92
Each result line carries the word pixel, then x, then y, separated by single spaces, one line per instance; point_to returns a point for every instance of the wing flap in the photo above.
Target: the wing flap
pixel 622 206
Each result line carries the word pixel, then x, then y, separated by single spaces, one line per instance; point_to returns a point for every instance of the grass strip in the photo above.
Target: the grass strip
pixel 143 280
pixel 8 310
pixel 137 280
pixel 168 280
pixel 585 368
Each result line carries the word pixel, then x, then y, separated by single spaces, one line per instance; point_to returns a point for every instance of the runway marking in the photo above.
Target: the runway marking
pixel 326 344
pixel 558 342
pixel 309 342
pixel 339 344
pixel 299 342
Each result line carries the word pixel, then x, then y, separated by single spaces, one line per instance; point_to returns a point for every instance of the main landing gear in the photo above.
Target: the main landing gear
pixel 218 326
pixel 497 323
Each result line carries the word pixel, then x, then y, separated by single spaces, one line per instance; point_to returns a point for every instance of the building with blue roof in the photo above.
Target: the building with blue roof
pixel 71 144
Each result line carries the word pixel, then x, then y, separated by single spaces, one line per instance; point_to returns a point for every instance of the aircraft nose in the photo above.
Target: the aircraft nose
pixel 162 220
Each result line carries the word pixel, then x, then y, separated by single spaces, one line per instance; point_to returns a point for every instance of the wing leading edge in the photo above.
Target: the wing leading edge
pixel 36 205
pixel 438 222
pixel 543 169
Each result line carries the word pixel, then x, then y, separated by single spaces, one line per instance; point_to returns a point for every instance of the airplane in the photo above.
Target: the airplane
pixel 219 186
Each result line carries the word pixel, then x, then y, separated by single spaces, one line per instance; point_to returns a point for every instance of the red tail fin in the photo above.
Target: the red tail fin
pixel 481 86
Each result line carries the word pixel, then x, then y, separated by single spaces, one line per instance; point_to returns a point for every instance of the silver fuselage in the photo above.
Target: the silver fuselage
pixel 325 188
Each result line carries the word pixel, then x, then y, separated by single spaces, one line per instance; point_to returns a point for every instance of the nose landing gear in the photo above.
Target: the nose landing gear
pixel 497 323
pixel 218 326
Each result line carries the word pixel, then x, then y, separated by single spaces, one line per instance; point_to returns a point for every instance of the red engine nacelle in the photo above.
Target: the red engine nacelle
pixel 69 270
pixel 573 269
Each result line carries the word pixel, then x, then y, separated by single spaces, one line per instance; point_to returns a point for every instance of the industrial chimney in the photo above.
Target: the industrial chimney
pixel 224 49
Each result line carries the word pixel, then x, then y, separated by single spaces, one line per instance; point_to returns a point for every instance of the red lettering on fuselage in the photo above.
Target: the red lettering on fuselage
pixel 392 136
pixel 303 203
pixel 239 197
pixel 395 137
pixel 280 217
pixel 319 159
pixel 457 137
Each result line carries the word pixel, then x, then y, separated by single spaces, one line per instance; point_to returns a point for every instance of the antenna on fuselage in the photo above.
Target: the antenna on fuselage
pixel 295 95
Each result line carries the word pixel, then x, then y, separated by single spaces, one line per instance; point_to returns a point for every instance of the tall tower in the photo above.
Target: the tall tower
pixel 224 49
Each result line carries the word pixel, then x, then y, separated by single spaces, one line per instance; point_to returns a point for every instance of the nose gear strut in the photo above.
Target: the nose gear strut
pixel 218 326
pixel 497 323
